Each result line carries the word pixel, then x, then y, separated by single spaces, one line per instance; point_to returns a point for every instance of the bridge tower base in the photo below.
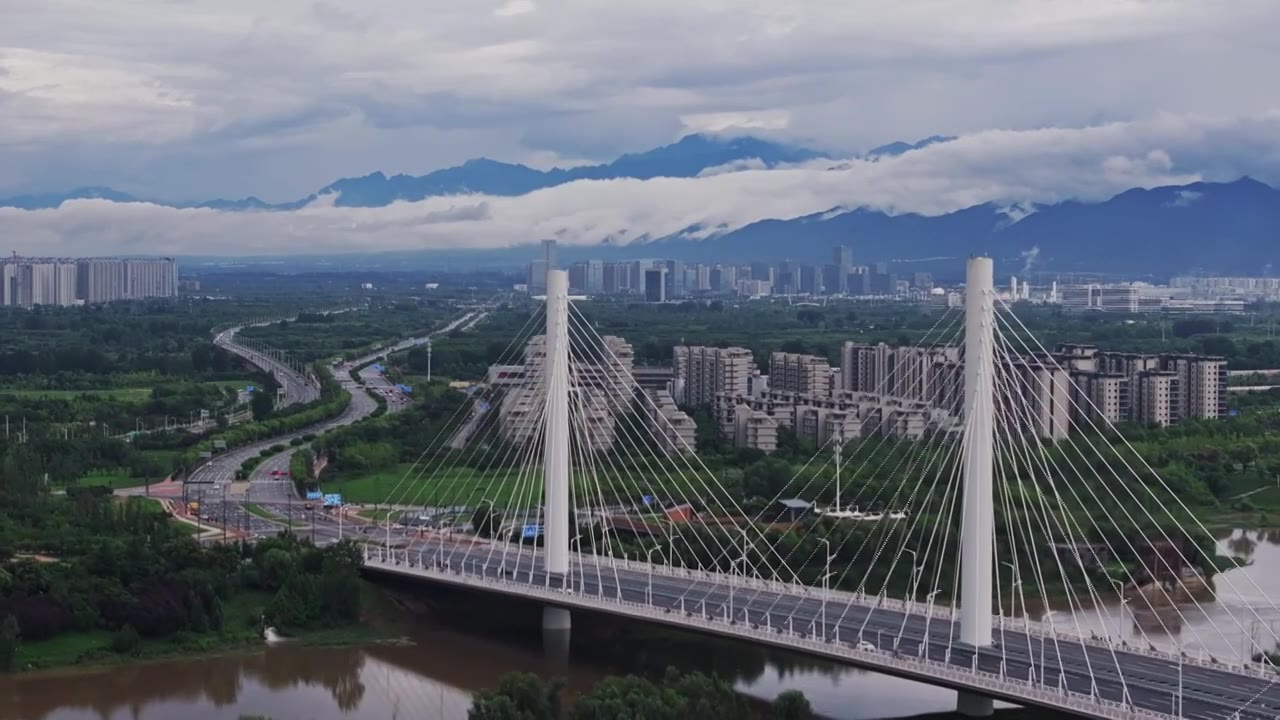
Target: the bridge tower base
pixel 974 705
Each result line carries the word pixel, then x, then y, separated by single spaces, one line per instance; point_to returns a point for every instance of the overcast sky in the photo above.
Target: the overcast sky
pixel 194 99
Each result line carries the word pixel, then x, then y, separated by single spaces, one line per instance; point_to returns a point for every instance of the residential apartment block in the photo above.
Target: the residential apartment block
pixel 601 387
pixel 700 373
pixel 793 372
pixel 844 414
pixel 1047 394
pixel 27 282
pixel 674 430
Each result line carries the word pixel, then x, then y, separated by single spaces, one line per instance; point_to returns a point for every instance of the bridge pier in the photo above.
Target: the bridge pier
pixel 974 705
pixel 556 633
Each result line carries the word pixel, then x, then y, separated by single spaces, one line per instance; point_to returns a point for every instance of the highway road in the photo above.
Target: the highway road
pixel 362 405
pixel 1149 682
pixel 298 388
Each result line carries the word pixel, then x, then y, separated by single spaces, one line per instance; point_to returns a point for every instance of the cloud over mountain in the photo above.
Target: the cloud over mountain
pixel 1001 166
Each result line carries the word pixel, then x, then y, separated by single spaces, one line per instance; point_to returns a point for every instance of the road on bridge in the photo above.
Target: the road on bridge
pixel 1149 682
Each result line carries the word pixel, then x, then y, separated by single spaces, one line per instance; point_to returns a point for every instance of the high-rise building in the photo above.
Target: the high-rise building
pixel 1203 385
pixel 810 279
pixel 793 372
pixel 762 271
pixel 9 283
pixel 655 286
pixel 674 279
pixel 602 388
pixel 150 278
pixel 536 277
pixel 1157 397
pixel 64 281
pixel 595 277
pixel 578 276
pixel 841 256
pixel 701 372
pixel 549 254
pixel 100 280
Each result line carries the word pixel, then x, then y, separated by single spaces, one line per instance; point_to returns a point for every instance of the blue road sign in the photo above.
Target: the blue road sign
pixel 314 495
pixel 530 532
pixel 332 499
pixel 648 499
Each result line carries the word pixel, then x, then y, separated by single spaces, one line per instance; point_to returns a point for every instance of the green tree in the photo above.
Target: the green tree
pixel 519 696
pixel 10 639
pixel 126 641
pixel 262 404
pixel 792 705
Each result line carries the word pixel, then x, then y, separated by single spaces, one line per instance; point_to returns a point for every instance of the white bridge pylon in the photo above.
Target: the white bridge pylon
pixel 555 458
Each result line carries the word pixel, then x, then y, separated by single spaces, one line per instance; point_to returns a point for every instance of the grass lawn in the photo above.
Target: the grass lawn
pixel 127 394
pixel 255 509
pixel 235 383
pixel 66 649
pixel 115 480
pixel 464 486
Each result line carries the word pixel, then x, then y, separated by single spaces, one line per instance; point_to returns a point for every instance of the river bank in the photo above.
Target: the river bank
pixel 241 632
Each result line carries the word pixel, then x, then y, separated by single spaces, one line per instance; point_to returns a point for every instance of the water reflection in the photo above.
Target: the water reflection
pixel 1242 620
pixel 461 643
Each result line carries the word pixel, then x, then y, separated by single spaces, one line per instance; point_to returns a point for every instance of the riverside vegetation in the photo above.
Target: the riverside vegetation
pixel 88 578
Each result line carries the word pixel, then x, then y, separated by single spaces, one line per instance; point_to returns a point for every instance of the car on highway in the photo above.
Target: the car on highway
pixel 866 646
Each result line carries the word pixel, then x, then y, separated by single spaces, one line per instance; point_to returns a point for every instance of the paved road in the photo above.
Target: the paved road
pixel 1151 682
pixel 362 405
pixel 298 388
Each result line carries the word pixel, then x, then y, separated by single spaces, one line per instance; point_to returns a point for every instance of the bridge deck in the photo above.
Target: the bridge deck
pixel 1053 671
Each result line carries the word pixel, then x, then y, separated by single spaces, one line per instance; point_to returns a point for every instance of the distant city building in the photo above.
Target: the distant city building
pixel 27 282
pixel 655 286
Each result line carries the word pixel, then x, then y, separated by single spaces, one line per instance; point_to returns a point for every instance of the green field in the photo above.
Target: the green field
pixel 123 394
pixel 115 480
pixel 463 486
pixel 255 509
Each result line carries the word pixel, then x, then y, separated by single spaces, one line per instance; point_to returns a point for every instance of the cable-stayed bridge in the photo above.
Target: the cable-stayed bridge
pixel 1056 570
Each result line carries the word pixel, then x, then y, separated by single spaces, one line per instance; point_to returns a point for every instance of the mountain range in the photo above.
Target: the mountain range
pixel 688 157
pixel 1229 227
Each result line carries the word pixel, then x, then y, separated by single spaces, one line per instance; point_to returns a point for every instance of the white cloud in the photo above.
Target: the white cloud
pixel 1005 167
pixel 722 121
pixel 515 7
pixel 263 98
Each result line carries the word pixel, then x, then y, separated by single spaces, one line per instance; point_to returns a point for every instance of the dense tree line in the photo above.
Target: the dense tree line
pixel 125 567
pixel 674 696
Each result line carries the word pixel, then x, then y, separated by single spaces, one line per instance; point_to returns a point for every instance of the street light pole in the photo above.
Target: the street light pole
pixel 826 576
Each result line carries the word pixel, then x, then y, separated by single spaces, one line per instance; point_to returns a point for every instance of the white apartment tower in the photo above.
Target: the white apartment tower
pixel 702 372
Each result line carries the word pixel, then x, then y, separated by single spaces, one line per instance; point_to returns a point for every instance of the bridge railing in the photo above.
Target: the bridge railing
pixel 998 684
pixel 1037 628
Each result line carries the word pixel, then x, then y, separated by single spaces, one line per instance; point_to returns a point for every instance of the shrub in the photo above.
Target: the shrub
pixel 126 642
